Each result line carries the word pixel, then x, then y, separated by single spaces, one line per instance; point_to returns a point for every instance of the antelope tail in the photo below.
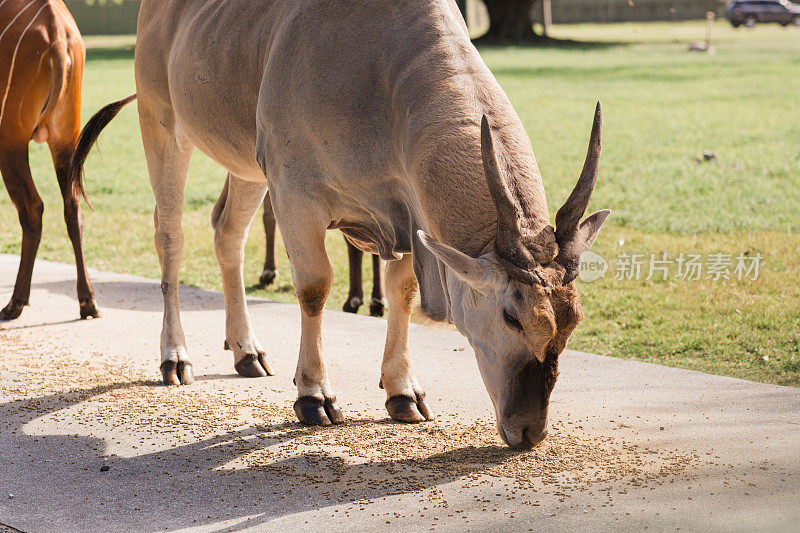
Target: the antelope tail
pixel 88 137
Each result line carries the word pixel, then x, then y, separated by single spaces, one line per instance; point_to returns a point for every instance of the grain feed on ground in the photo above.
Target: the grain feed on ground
pixel 364 456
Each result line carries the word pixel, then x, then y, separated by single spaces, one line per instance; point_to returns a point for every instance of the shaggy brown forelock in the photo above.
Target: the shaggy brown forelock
pixel 550 367
pixel 567 308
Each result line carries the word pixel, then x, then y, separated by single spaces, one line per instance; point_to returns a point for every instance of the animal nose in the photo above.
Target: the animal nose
pixel 527 438
pixel 534 437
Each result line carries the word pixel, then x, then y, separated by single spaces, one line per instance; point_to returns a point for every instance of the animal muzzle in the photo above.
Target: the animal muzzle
pixel 523 436
pixel 522 418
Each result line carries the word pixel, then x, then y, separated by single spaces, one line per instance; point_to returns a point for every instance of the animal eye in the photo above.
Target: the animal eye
pixel 511 321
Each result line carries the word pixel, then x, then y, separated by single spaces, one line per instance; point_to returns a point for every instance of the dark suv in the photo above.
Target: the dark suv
pixel 749 12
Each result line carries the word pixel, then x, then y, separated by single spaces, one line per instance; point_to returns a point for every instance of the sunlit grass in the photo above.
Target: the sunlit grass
pixel 663 107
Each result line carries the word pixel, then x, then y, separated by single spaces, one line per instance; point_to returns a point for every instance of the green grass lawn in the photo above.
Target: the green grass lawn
pixel 663 108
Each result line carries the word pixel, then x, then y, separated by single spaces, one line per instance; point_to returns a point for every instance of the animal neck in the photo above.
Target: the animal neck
pixel 441 88
pixel 445 162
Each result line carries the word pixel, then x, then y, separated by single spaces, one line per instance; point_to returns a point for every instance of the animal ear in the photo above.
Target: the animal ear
pixel 578 241
pixel 590 227
pixel 477 273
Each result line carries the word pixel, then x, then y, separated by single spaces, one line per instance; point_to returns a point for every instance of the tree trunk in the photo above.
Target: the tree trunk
pixel 510 22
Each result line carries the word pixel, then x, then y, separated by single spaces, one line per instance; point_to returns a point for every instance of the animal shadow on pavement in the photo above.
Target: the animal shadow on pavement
pixel 58 478
pixel 137 295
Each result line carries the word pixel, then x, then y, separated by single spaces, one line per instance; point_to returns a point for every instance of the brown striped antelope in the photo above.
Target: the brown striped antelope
pixel 41 73
pixel 377 118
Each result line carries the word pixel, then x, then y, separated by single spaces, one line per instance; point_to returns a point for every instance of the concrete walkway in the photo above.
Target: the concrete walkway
pixel 90 441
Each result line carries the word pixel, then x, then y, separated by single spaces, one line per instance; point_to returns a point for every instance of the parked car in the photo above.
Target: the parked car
pixel 749 12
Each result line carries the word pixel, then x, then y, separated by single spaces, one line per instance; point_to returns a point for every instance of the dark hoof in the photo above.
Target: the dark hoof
pixel 376 307
pixel 254 366
pixel 177 373
pixel 352 305
pixel 267 277
pixel 11 311
pixel 89 310
pixel 316 412
pixel 407 409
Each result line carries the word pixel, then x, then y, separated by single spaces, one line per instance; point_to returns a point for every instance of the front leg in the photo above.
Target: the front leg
pixel 405 398
pixel 231 218
pixel 312 275
pixel 316 403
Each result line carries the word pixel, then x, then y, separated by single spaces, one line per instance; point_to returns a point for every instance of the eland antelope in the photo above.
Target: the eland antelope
pixel 41 71
pixel 380 119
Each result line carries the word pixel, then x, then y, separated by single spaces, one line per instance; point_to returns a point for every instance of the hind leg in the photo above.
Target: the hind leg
pixel 168 163
pixel 231 220
pixel 378 304
pixel 355 296
pixel 270 271
pixel 17 177
pixel 63 128
pixel 73 217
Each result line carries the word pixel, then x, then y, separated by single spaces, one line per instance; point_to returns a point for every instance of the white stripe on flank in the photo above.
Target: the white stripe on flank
pixel 3 2
pixel 21 11
pixel 16 50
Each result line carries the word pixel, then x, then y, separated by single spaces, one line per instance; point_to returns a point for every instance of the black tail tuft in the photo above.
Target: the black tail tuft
pixel 87 139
